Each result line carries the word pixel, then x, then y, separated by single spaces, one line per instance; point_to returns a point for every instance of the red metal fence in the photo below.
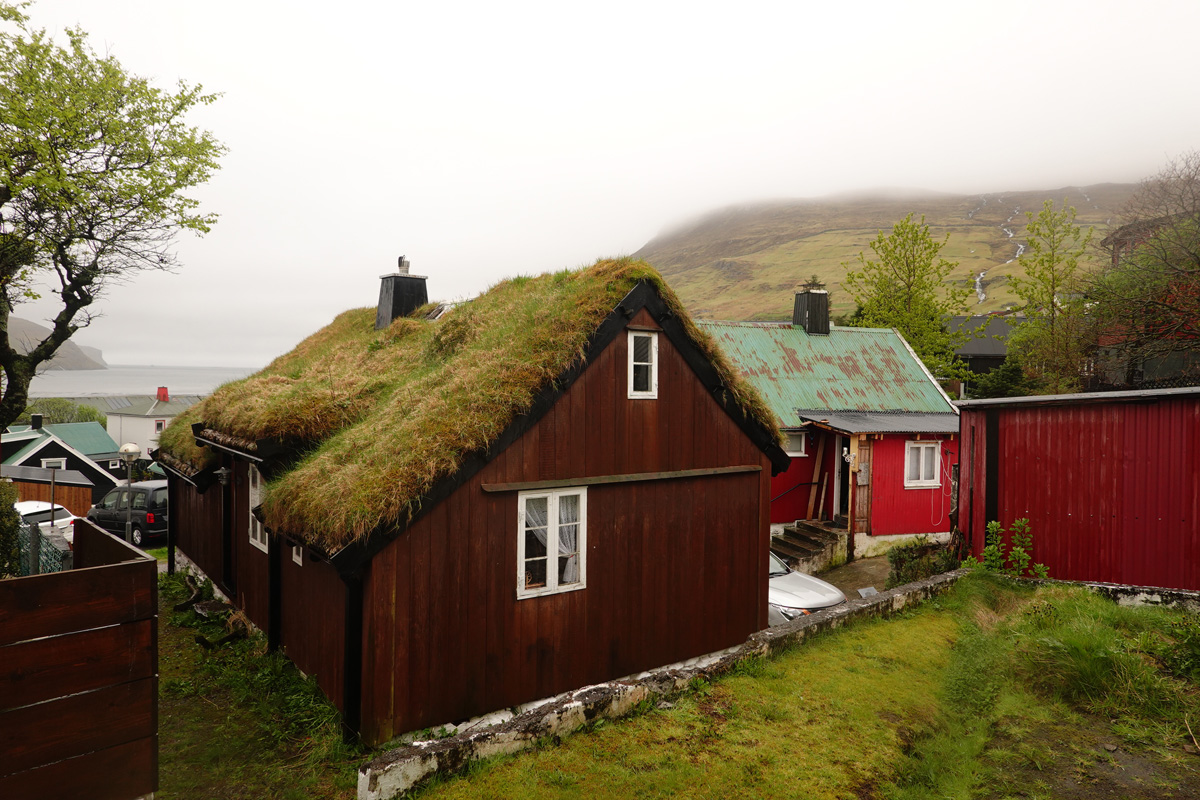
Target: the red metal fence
pixel 1109 482
pixel 79 676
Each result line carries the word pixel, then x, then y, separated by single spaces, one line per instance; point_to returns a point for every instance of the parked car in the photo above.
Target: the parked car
pixel 38 512
pixel 149 512
pixel 792 594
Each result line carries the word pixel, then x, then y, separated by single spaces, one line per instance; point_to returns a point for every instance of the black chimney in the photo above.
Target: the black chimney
pixel 35 421
pixel 811 311
pixel 399 295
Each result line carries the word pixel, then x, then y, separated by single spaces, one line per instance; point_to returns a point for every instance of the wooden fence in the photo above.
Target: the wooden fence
pixel 79 676
pixel 76 499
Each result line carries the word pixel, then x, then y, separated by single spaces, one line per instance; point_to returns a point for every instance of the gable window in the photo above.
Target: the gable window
pixel 643 364
pixel 921 463
pixel 258 534
pixel 795 444
pixel 114 464
pixel 551 542
pixel 54 463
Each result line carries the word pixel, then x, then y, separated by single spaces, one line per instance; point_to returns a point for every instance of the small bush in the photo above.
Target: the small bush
pixel 917 560
pixel 10 524
pixel 1010 558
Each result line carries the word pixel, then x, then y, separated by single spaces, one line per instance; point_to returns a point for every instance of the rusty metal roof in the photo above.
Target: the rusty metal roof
pixel 851 369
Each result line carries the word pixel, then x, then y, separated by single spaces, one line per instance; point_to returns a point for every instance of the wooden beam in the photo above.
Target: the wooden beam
pixel 630 478
pixel 812 491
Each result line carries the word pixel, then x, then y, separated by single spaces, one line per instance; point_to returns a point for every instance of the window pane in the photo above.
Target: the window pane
pixel 535 512
pixel 641 349
pixel 929 473
pixel 641 377
pixel 535 572
pixel 912 471
pixel 568 509
pixel 568 569
pixel 535 543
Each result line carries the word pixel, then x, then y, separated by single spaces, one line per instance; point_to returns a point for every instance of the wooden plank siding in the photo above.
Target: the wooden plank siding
pixel 196 522
pixel 79 675
pixel 895 509
pixel 313 607
pixel 675 568
pixel 250 562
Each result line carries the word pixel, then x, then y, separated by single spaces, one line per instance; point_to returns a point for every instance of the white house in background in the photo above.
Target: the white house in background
pixel 141 419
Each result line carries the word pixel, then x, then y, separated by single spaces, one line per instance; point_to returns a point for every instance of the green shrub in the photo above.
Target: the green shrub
pixel 1010 558
pixel 10 523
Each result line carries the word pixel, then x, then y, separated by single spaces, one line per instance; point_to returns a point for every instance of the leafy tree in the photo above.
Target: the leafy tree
pixel 904 287
pixel 57 409
pixel 1006 380
pixel 1149 299
pixel 93 165
pixel 1054 340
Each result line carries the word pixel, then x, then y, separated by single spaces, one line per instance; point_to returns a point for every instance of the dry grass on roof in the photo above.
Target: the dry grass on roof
pixel 390 413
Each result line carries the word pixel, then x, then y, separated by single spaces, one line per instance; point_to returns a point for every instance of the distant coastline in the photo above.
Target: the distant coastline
pixel 124 379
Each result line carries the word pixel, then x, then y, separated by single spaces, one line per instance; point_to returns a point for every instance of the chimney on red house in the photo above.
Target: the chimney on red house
pixel 163 396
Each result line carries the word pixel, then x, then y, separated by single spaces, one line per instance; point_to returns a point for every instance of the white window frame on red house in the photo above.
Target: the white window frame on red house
pixel 527 527
pixel 647 368
pixel 257 533
pixel 922 480
pixel 794 438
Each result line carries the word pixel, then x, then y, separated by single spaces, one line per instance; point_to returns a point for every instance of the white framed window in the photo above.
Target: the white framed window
pixel 795 444
pixel 114 464
pixel 258 534
pixel 643 364
pixel 54 463
pixel 298 554
pixel 922 460
pixel 551 542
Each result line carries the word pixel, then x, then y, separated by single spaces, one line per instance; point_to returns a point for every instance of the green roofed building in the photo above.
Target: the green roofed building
pixel 871 435
pixel 82 446
pixel 446 511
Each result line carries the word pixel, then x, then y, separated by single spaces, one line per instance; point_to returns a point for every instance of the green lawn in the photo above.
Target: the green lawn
pixel 991 691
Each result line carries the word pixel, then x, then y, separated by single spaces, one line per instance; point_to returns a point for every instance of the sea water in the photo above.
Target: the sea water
pixel 133 380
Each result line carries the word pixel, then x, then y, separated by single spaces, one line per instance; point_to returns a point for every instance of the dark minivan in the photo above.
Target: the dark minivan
pixel 149 511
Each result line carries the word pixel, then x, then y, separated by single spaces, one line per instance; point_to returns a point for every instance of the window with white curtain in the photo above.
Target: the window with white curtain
pixel 643 364
pixel 258 534
pixel 921 463
pixel 551 541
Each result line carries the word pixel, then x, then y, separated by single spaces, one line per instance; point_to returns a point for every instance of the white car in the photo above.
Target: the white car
pixel 37 512
pixel 793 594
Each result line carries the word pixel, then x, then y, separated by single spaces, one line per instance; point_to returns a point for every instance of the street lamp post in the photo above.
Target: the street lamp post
pixel 130 453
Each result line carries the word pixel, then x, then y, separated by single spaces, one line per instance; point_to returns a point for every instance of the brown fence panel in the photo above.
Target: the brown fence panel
pixel 42 669
pixel 116 773
pixel 76 499
pixel 79 676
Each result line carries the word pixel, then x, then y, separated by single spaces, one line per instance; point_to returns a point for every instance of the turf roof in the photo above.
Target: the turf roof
pixel 386 414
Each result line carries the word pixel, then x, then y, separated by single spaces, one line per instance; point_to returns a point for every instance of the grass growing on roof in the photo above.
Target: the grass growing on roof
pixel 391 412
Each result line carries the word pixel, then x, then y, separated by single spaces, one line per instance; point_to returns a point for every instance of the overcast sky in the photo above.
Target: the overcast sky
pixel 488 139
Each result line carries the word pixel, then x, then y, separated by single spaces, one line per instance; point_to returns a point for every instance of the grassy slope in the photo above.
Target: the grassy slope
pixel 745 263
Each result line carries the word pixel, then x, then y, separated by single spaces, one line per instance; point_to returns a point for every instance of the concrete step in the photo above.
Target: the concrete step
pixel 810 547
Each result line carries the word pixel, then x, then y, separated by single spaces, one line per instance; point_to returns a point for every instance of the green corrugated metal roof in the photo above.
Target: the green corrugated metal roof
pixel 89 438
pixel 851 369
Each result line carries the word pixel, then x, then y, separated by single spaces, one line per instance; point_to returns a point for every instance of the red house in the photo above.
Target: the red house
pixel 1110 482
pixel 558 483
pixel 871 436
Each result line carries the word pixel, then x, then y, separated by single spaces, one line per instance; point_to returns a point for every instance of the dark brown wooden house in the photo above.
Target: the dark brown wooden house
pixel 564 483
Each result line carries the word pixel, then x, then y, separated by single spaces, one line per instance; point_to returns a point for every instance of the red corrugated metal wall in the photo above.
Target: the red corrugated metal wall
pixel 790 489
pixel 895 509
pixel 1111 489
